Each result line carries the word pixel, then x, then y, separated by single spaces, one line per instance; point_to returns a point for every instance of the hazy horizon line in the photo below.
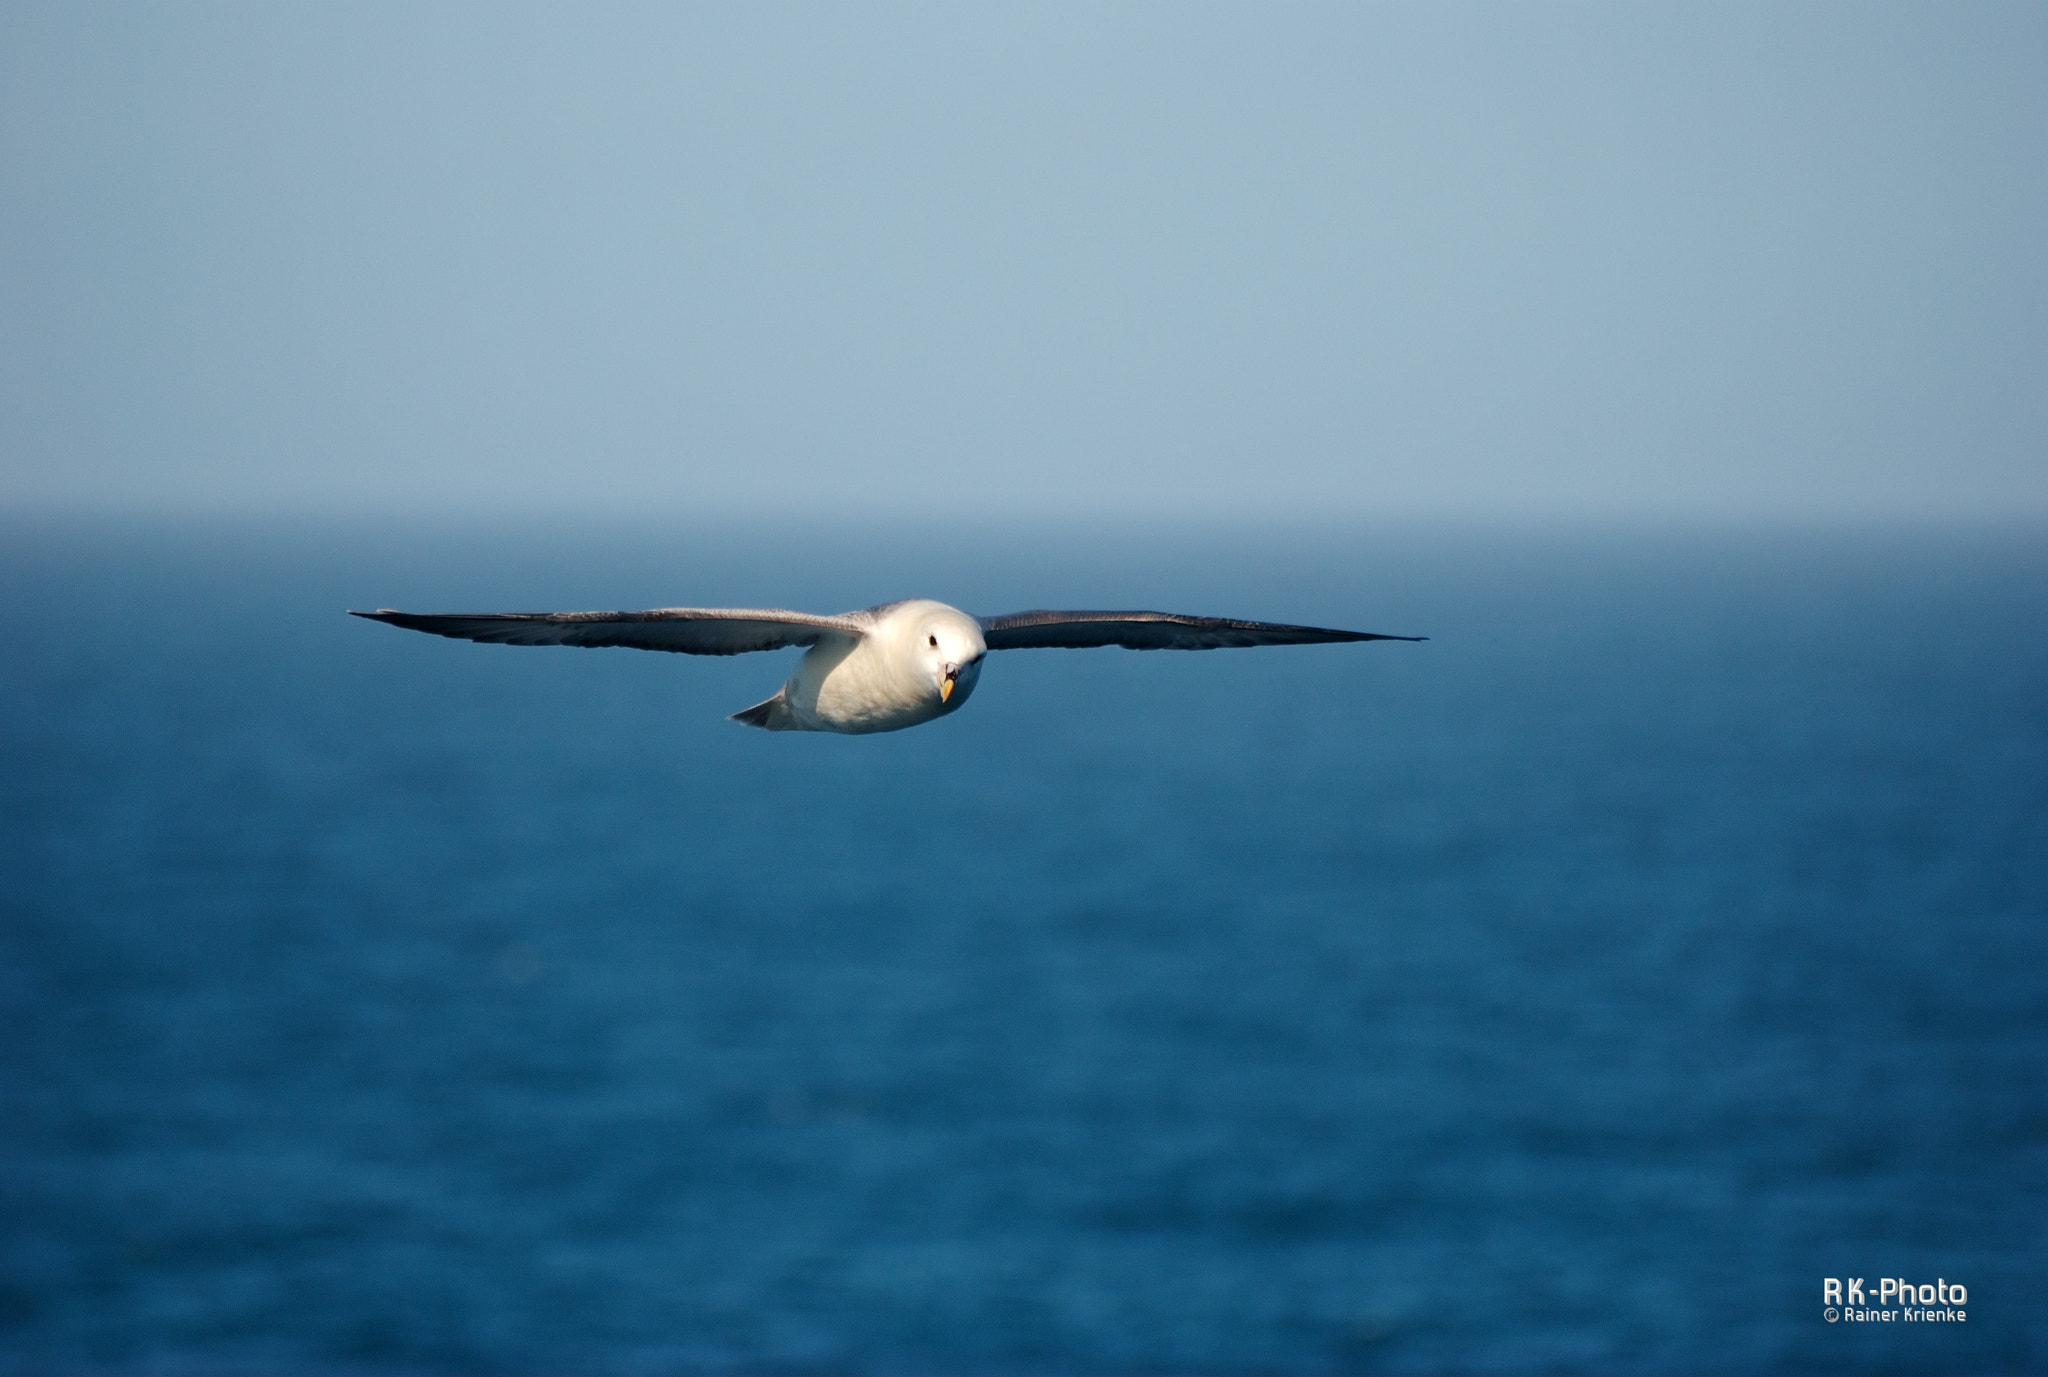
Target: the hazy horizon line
pixel 2017 518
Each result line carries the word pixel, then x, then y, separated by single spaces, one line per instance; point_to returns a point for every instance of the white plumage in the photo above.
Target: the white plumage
pixel 877 670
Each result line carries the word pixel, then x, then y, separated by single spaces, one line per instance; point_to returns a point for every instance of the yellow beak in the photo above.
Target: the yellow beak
pixel 945 688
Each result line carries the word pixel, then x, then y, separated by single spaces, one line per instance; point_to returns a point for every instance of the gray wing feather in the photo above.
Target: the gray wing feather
pixel 1153 631
pixel 687 630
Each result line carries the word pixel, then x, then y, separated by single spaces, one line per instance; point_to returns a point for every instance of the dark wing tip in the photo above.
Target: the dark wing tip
pixel 1333 634
pixel 391 616
pixel 460 626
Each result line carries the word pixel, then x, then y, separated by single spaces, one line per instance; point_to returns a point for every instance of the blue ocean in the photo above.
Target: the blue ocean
pixel 1578 990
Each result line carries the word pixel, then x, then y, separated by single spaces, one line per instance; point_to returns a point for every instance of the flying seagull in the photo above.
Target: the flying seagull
pixel 879 670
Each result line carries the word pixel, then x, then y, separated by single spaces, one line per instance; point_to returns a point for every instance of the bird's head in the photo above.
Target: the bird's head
pixel 950 647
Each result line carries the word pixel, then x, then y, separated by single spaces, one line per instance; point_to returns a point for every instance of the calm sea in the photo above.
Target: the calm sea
pixel 1575 991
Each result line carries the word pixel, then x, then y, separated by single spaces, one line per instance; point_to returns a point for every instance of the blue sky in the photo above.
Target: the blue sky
pixel 1184 261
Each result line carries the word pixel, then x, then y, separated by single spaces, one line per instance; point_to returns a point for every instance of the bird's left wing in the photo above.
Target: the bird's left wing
pixel 688 630
pixel 1153 631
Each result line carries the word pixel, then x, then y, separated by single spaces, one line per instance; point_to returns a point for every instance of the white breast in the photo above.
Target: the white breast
pixel 881 682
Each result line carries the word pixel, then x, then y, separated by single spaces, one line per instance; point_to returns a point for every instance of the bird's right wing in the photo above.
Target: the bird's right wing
pixel 688 630
pixel 1152 631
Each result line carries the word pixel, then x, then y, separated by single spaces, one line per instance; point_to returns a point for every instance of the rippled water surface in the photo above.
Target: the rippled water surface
pixel 1573 991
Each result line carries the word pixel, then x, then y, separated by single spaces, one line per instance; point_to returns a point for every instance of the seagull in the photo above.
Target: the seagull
pixel 877 670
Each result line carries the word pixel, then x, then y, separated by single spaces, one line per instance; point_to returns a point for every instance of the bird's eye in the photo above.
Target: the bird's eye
pixel 934 640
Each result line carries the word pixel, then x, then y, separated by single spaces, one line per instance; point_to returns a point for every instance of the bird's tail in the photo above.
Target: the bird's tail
pixel 769 715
